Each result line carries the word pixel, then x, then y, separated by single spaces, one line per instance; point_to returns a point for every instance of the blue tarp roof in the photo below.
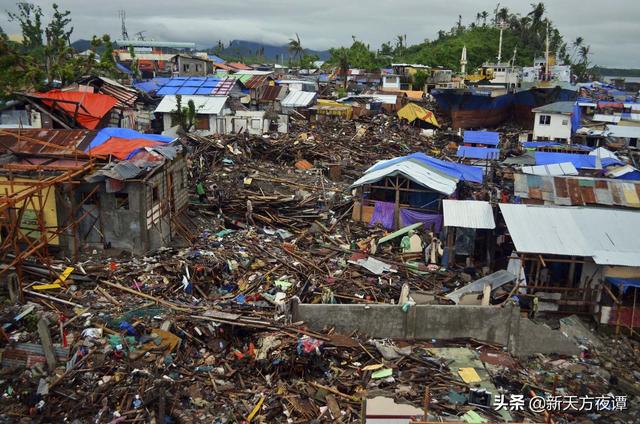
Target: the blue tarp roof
pixel 490 138
pixel 578 160
pixel 123 68
pixel 215 59
pixel 539 144
pixel 456 170
pixel 106 133
pixel 624 283
pixel 151 85
pixel 630 176
pixel 478 152
pixel 189 86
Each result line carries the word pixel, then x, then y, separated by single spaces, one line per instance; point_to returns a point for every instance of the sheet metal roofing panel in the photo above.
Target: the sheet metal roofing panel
pixel 207 105
pixel 580 161
pixel 609 236
pixel 272 93
pixel 50 141
pixel 468 214
pixel 478 153
pixel 578 191
pixel 489 138
pixel 565 168
pixel 598 117
pixel 623 131
pixel 298 99
pixel 411 170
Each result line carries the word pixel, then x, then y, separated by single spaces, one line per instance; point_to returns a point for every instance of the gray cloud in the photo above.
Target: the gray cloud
pixel 611 29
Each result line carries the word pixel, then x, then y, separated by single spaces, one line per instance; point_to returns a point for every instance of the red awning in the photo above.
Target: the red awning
pixel 91 107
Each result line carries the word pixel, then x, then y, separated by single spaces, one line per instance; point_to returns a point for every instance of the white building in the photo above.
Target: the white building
pixel 391 82
pixel 553 122
pixel 214 116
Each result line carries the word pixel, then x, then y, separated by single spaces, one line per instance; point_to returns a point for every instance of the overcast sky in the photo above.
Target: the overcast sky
pixel 610 27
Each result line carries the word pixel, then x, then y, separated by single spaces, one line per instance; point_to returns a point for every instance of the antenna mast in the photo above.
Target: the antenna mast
pixel 123 15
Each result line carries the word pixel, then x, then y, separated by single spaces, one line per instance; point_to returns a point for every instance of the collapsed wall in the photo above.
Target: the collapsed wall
pixel 496 325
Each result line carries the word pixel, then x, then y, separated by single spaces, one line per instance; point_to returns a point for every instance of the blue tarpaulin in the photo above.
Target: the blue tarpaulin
pixel 578 160
pixel 624 283
pixel 106 133
pixel 151 85
pixel 478 153
pixel 543 144
pixel 575 118
pixel 456 170
pixel 489 138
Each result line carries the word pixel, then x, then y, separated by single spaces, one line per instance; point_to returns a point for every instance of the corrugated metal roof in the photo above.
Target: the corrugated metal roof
pixel 256 81
pixel 468 214
pixel 557 107
pixel 414 172
pixel 298 99
pixel 623 131
pixel 272 93
pixel 490 138
pixel 566 168
pixel 609 236
pixel 577 191
pixel 478 153
pixel 598 117
pixel 207 105
pixel 36 141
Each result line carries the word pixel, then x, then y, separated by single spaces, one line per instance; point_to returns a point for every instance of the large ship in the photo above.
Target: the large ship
pixel 543 83
pixel 487 100
pixel 501 91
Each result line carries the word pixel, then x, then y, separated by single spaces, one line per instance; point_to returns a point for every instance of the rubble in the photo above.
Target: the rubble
pixel 202 331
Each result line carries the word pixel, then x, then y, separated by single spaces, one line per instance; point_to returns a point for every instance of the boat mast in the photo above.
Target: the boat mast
pixel 501 26
pixel 463 61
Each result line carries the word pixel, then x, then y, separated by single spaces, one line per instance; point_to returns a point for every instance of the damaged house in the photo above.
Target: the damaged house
pixel 409 189
pixel 116 188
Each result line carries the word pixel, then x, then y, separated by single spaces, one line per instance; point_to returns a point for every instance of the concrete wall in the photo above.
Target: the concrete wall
pixel 423 322
pixel 420 322
pixel 555 130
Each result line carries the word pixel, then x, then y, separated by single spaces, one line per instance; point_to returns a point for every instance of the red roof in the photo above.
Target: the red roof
pixel 239 66
pixel 90 107
pixel 223 66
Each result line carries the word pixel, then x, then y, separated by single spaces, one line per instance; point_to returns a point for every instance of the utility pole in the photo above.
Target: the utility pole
pixel 546 56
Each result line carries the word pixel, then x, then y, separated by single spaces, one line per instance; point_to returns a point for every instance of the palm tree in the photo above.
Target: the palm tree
pixel 295 47
pixel 585 51
pixel 503 15
pixel 341 58
pixel 536 15
pixel 484 15
pixel 478 17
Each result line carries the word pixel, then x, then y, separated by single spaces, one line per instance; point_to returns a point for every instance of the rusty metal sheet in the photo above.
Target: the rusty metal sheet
pixel 43 140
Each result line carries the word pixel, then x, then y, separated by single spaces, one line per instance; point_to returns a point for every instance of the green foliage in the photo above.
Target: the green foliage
pixel 419 80
pixel 184 116
pixel 134 63
pixel 45 58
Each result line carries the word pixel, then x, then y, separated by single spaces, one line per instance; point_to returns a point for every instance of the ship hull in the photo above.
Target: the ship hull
pixel 473 110
pixel 526 100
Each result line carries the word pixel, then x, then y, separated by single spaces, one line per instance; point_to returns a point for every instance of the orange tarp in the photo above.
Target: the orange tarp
pixel 91 107
pixel 122 148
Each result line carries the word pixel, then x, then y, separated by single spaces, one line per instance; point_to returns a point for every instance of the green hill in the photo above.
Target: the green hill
pixel 482 46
